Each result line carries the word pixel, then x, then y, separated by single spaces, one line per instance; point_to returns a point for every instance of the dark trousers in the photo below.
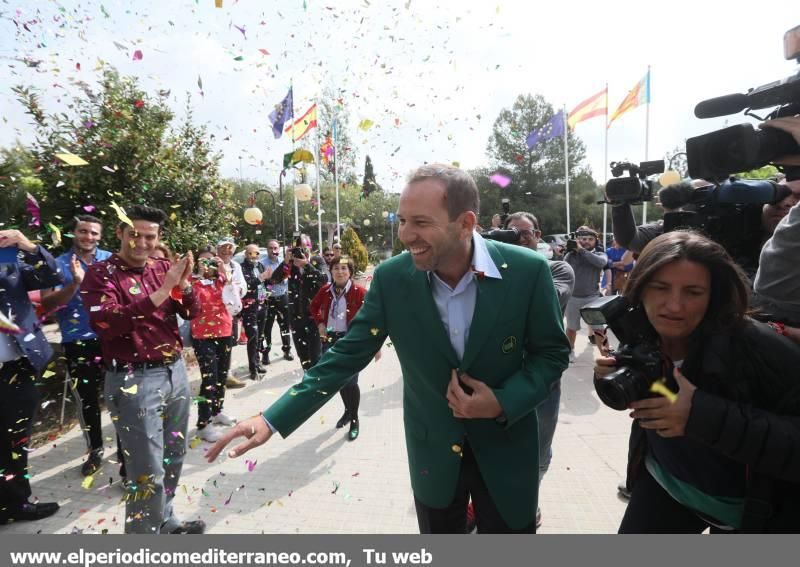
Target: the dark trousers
pixel 277 308
pixel 453 519
pixel 652 511
pixel 306 341
pixel 211 355
pixel 18 401
pixel 85 362
pixel 254 317
pixel 351 393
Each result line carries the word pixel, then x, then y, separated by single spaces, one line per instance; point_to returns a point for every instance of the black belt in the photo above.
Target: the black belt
pixel 120 366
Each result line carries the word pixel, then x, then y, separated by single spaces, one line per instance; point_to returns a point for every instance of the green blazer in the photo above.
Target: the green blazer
pixel 516 345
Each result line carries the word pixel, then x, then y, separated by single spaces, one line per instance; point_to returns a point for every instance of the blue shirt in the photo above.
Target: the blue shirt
pixel 277 289
pixel 73 319
pixel 456 305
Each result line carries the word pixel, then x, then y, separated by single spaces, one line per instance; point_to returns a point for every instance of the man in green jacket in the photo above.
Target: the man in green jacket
pixel 477 329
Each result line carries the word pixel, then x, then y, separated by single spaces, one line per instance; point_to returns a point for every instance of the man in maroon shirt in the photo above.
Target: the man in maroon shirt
pixel 132 301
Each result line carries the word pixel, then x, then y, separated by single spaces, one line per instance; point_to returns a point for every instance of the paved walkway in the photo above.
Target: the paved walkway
pixel 317 482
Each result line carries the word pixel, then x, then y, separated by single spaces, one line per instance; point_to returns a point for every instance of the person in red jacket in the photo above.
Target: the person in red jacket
pixel 332 309
pixel 211 332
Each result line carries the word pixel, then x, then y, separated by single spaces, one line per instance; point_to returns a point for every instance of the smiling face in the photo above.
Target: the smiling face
pixel 528 234
pixel 676 299
pixel 139 242
pixel 273 249
pixel 87 235
pixel 435 243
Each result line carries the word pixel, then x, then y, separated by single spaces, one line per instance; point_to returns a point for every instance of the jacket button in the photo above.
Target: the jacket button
pixel 456 448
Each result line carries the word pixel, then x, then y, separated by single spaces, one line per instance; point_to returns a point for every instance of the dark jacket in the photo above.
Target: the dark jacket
pixel 301 287
pixel 747 408
pixel 251 272
pixel 36 270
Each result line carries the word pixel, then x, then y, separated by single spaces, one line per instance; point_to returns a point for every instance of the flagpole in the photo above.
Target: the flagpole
pixel 605 176
pixel 566 164
pixel 336 181
pixel 319 197
pixel 294 192
pixel 646 138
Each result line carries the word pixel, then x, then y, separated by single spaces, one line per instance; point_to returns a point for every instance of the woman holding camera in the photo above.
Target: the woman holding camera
pixel 722 449
pixel 332 309
pixel 211 332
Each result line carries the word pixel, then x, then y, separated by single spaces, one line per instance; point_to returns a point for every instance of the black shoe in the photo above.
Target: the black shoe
pixel 265 360
pixel 287 356
pixel 193 527
pixel 122 473
pixel 343 420
pixel 254 376
pixel 31 512
pixel 353 434
pixel 623 492
pixel 261 369
pixel 93 462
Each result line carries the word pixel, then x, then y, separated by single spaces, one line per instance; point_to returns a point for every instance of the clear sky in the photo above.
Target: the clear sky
pixel 433 76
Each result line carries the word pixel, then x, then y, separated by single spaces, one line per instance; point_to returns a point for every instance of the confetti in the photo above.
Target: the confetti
pixel 659 387
pixel 250 465
pixel 501 180
pixel 72 159
pixel 87 482
pixel 121 215
pixel 138 55
pixel 132 390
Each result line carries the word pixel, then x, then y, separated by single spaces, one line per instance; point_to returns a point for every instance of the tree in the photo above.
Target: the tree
pixel 135 155
pixel 17 179
pixel 537 174
pixel 353 247
pixel 333 110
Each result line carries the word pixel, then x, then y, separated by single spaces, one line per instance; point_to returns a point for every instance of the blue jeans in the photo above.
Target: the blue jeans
pixel 547 415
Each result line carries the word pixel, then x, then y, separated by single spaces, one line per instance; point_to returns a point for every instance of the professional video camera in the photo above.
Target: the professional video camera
pixel 715 155
pixel 510 235
pixel 729 214
pixel 635 188
pixel 639 362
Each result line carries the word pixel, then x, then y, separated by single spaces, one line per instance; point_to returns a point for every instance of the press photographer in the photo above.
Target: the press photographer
pixel 716 444
pixel 587 261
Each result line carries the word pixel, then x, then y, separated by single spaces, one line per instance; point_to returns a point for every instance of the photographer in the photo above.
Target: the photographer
pixel 564 280
pixel 588 263
pixel 722 449
pixel 305 277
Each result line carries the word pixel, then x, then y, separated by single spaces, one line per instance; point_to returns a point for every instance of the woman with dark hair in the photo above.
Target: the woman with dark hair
pixel 332 309
pixel 722 449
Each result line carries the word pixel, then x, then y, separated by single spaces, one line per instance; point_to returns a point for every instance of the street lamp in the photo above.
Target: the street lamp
pixel 253 215
pixel 671 176
pixel 390 219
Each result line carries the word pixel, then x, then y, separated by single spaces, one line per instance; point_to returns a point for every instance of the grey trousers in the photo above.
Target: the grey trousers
pixel 151 421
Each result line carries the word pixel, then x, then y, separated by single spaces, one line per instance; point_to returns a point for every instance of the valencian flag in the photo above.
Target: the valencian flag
pixel 595 105
pixel 303 124
pixel 552 129
pixel 637 96
pixel 284 111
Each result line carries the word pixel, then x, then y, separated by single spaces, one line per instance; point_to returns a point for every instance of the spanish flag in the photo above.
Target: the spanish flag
pixel 595 105
pixel 637 96
pixel 303 124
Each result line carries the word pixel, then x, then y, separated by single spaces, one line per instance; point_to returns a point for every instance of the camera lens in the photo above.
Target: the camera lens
pixel 618 389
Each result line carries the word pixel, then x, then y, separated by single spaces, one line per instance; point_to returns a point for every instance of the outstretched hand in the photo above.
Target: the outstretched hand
pixel 255 430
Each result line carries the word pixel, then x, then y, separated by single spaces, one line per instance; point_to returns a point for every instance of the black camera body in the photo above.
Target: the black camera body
pixel 634 188
pixel 298 252
pixel 639 361
pixel 507 235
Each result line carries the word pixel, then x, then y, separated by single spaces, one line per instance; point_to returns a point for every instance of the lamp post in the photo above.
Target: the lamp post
pixel 671 176
pixel 390 219
pixel 253 214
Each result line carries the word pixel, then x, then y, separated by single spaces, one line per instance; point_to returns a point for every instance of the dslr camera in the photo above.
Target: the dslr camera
pixel 715 155
pixel 638 358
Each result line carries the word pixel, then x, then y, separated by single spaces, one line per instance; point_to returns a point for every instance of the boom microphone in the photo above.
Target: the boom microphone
pixel 721 106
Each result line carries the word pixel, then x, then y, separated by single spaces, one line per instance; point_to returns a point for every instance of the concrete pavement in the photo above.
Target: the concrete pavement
pixel 317 482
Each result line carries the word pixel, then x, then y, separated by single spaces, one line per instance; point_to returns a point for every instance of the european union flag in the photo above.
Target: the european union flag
pixel 552 129
pixel 282 113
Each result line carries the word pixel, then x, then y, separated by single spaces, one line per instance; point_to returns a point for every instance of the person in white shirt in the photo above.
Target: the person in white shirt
pixel 232 295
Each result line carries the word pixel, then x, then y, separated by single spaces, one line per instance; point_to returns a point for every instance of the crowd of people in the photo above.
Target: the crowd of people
pixel 716 446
